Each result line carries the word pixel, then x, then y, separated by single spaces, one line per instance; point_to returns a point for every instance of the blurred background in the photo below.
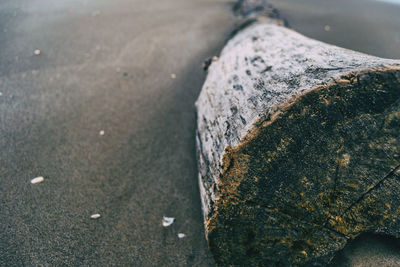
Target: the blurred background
pixel 97 96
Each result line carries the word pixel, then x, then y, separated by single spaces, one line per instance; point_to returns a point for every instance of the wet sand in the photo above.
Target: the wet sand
pixel 368 26
pixel 103 66
pixel 108 67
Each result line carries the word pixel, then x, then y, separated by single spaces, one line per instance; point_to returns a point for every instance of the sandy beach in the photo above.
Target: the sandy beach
pixel 97 97
pixel 132 69
pixel 368 26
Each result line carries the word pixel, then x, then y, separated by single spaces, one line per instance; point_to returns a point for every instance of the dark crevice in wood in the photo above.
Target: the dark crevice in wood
pixel 254 204
pixel 394 173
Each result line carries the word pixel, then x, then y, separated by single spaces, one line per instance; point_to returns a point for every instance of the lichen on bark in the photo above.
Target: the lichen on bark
pixel 298 147
pixel 308 179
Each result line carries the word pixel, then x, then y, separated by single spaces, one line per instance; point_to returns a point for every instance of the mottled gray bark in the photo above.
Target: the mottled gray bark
pixel 298 147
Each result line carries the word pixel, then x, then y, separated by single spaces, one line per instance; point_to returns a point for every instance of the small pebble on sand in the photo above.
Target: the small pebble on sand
pixel 37 52
pixel 95 216
pixel 173 76
pixel 1 93
pixel 327 28
pixel 37 180
pixel 181 235
pixel 167 221
pixel 101 132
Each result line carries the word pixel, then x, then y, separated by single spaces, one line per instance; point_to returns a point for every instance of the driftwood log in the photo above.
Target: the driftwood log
pixel 298 147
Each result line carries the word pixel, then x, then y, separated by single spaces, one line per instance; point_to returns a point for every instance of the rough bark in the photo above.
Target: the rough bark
pixel 298 147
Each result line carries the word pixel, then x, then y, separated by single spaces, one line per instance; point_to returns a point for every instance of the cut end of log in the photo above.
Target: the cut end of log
pixel 298 145
pixel 322 171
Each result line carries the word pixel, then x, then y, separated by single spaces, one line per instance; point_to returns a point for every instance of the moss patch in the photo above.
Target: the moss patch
pixel 303 183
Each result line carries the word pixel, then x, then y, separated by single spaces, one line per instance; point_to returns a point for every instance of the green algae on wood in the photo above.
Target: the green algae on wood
pixel 302 154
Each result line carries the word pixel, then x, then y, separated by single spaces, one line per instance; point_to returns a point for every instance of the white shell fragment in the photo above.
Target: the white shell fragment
pixel 101 132
pixel 95 216
pixel 167 221
pixel 37 180
pixel 37 52
pixel 173 76
pixel 181 235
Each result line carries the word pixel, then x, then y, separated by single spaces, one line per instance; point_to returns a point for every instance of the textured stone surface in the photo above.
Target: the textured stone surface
pixel 298 150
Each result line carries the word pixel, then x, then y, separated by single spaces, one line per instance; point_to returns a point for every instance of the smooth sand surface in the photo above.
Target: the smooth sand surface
pixel 369 26
pixel 103 66
pixel 106 66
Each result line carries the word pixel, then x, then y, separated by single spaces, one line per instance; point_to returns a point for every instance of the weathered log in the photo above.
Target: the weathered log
pixel 298 148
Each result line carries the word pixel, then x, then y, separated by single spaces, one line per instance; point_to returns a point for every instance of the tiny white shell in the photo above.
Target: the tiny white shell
pixel 101 132
pixel 95 216
pixel 37 180
pixel 181 235
pixel 167 221
pixel 37 52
